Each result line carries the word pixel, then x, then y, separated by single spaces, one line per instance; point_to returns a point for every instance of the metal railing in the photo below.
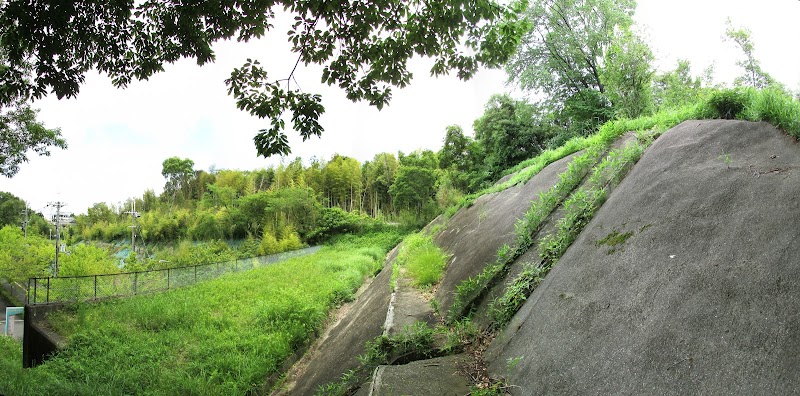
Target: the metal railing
pixel 72 289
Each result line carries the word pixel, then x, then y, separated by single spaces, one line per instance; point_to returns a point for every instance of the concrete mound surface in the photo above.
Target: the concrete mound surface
pixel 338 350
pixel 438 376
pixel 686 281
pixel 474 234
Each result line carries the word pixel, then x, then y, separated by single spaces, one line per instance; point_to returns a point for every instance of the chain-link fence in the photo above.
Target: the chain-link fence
pixel 93 287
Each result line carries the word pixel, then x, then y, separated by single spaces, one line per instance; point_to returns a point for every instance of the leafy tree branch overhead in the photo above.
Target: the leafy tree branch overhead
pixel 363 46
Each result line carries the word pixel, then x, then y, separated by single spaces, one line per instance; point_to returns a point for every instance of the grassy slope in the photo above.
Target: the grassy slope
pixel 221 337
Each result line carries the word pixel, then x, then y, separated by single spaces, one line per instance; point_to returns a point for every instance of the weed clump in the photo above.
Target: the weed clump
pixel 423 260
pixel 727 104
pixel 614 238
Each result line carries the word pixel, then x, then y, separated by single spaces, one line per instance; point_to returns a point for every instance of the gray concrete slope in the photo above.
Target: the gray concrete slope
pixel 702 298
pixel 440 376
pixel 339 351
pixel 473 235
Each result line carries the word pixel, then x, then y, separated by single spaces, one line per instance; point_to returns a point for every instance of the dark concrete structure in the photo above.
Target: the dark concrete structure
pixel 39 343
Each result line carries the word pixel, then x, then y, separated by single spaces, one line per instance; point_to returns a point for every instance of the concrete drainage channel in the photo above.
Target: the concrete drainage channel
pixel 387 325
pixel 414 372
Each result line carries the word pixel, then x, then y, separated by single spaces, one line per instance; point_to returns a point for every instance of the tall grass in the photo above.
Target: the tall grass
pixel 776 107
pixel 423 260
pixel 222 337
pixel 579 209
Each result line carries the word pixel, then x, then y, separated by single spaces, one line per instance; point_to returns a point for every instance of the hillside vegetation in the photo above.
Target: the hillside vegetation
pixel 601 106
pixel 221 337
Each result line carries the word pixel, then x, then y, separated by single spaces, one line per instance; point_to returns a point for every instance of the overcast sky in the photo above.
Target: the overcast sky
pixel 119 138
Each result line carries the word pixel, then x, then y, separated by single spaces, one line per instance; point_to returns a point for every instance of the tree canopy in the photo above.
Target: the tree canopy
pixel 178 172
pixel 563 52
pixel 20 132
pixel 363 46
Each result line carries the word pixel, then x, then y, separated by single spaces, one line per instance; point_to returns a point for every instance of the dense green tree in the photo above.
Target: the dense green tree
pixel 100 212
pixel 11 208
pixel 676 87
pixel 249 216
pixel 379 175
pixel 294 207
pixel 581 115
pixel 420 158
pixel 179 173
pixel 21 133
pixel 574 49
pixel 198 185
pixel 455 150
pixel 628 75
pixel 84 259
pixel 461 159
pixel 342 182
pixel 313 175
pixel 38 225
pixel 291 174
pixel 509 133
pixel 414 187
pixel 262 179
pixel 22 258
pixel 218 195
pixel 149 200
pixel 564 51
pixel 12 212
pixel 364 47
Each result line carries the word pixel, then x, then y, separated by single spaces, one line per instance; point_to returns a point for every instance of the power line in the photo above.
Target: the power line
pixel 57 220
pixel 25 222
pixel 134 214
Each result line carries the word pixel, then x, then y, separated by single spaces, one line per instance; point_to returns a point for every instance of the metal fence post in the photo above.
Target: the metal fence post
pixel 135 281
pixel 167 278
pixel 195 274
pixel 47 299
pixel 95 287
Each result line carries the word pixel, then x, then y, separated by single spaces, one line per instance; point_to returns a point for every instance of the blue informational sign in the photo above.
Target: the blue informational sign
pixel 11 311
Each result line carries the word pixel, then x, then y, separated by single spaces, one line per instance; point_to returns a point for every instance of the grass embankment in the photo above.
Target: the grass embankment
pixel 221 337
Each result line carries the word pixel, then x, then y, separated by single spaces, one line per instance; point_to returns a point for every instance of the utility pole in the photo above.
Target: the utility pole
pixel 134 214
pixel 58 205
pixel 25 222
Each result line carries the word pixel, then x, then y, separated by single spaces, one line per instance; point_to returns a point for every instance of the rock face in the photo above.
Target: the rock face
pixel 698 294
pixel 474 234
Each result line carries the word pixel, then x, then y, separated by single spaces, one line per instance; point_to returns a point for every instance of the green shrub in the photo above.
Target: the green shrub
pixel 423 260
pixel 726 103
pixel 335 221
